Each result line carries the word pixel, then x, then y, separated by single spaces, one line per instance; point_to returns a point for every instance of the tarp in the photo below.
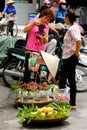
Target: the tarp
pixel 5 42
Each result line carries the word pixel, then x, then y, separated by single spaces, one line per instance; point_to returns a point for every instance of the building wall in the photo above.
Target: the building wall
pixel 23 9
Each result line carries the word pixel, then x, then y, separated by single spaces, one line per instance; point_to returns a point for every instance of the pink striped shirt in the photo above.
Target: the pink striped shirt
pixel 72 35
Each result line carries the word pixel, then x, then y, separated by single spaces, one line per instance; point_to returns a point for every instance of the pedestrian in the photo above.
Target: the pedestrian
pixel 37 30
pixel 70 54
pixel 10 13
pixel 54 5
pixel 60 11
pixel 47 3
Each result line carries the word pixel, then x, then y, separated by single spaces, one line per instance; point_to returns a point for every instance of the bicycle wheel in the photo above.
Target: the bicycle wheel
pixel 15 30
pixel 81 78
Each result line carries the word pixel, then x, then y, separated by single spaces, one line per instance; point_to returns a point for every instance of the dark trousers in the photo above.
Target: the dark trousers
pixel 27 72
pixel 10 27
pixel 68 72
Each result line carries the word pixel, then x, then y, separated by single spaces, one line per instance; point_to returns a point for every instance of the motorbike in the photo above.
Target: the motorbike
pixel 5 59
pixel 13 69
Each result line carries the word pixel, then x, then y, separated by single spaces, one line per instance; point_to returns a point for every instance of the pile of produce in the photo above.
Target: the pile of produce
pixel 53 110
pixel 61 98
pixel 33 86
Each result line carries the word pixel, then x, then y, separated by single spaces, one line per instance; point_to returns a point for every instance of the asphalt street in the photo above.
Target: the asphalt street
pixel 8 120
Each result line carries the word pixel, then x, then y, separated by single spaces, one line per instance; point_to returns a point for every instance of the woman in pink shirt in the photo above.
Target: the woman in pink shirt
pixel 37 30
pixel 70 54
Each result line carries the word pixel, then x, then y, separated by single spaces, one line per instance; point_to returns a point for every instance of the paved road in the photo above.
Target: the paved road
pixel 8 112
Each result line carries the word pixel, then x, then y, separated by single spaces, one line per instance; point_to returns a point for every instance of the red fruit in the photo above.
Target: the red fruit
pixel 44 85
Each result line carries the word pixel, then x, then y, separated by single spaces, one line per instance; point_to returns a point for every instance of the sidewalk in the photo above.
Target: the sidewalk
pixel 21 27
pixel 21 34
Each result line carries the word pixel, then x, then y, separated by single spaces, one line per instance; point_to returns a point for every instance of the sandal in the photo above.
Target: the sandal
pixel 73 107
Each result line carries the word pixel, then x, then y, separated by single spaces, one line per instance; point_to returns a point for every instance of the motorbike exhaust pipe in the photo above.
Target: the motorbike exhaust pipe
pixel 13 73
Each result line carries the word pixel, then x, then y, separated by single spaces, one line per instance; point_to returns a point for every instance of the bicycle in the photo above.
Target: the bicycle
pixel 9 28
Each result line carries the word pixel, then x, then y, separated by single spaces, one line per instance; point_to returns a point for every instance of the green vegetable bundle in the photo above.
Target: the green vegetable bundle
pixel 53 110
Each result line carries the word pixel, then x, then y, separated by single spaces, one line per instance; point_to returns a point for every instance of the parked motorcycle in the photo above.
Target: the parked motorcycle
pixel 13 70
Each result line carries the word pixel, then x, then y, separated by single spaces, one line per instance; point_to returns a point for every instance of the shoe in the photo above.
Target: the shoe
pixel 73 107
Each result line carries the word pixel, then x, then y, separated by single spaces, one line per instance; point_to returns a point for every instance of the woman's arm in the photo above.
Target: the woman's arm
pixel 31 25
pixel 53 28
pixel 28 27
pixel 78 45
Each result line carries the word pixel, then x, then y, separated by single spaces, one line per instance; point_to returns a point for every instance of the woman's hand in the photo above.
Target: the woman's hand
pixel 78 45
pixel 31 25
pixel 44 38
pixel 37 22
pixel 9 15
pixel 77 54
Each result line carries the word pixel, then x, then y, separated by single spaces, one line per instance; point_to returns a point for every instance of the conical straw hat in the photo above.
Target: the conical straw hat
pixel 1 15
pixel 10 2
pixel 52 62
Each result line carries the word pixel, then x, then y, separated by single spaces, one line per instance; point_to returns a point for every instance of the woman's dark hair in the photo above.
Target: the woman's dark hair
pixel 55 1
pixel 72 16
pixel 49 13
pixel 43 8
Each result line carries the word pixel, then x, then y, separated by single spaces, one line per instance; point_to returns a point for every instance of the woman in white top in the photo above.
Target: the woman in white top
pixel 70 54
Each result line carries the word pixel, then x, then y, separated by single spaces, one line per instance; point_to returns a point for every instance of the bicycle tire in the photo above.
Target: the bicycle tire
pixel 81 79
pixel 15 30
pixel 81 82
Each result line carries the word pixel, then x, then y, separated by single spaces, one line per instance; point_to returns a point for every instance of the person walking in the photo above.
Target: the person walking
pixel 70 54
pixel 37 30
pixel 10 13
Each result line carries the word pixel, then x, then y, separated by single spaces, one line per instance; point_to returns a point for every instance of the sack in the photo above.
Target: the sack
pixel 32 62
pixel 35 61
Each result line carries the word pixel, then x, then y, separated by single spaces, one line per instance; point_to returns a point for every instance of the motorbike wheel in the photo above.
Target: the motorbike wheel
pixel 12 73
pixel 81 79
